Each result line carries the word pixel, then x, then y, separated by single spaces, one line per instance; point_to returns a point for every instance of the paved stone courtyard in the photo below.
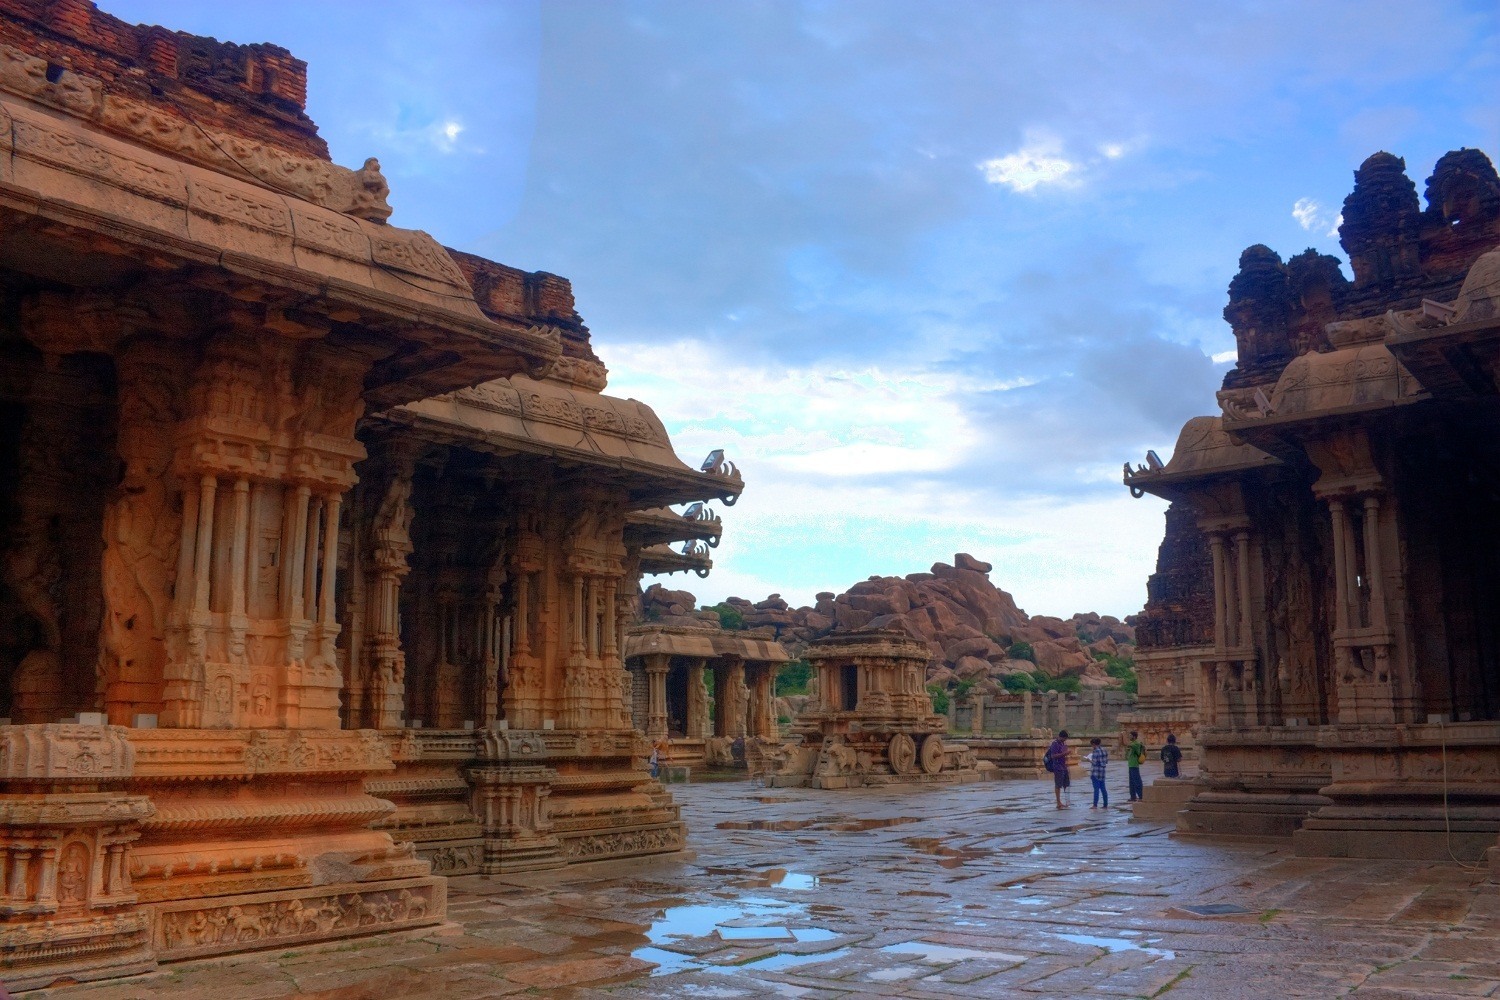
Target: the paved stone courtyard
pixel 982 890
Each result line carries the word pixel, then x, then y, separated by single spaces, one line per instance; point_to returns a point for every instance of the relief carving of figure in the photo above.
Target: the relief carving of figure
pixel 73 875
pixel 140 531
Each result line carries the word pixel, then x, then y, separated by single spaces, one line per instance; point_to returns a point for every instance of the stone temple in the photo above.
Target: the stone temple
pixel 318 540
pixel 1324 610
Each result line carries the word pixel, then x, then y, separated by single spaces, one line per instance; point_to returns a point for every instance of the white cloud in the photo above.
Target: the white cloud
pixel 1112 150
pixel 1039 161
pixel 1310 216
pixel 845 478
pixel 1307 213
pixel 1224 357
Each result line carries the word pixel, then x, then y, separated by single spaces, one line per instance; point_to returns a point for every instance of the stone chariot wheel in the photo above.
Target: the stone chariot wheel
pixel 934 756
pixel 903 754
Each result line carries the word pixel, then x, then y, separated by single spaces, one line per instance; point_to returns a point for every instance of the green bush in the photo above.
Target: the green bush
pixel 793 677
pixel 1121 669
pixel 939 698
pixel 1016 683
pixel 729 616
pixel 1046 682
pixel 1021 651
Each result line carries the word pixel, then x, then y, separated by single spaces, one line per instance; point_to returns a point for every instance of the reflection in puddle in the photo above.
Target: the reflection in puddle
pixel 754 934
pixel 838 824
pixel 943 954
pixel 783 879
pixel 702 931
pixel 893 974
pixel 1117 944
pixel 775 963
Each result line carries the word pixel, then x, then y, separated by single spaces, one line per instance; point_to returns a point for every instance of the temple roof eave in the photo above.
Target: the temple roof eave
pixel 660 560
pixel 97 194
pixel 710 643
pixel 522 416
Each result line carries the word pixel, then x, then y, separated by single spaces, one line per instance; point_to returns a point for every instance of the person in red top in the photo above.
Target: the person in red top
pixel 1056 761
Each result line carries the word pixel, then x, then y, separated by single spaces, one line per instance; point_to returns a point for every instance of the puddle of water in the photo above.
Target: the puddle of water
pixel 754 934
pixel 667 962
pixel 1117 944
pixel 797 881
pixel 775 963
pixel 894 974
pixel 1032 901
pixel 751 920
pixel 861 825
pixel 944 954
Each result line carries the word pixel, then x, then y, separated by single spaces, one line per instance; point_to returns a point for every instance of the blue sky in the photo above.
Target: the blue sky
pixel 929 271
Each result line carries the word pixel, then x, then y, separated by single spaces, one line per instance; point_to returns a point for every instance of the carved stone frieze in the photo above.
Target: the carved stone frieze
pixel 61 753
pixel 191 930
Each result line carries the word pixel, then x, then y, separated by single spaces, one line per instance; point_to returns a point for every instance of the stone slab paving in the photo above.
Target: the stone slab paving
pixel 938 892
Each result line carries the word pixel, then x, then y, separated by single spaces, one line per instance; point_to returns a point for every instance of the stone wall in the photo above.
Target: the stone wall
pixel 1092 712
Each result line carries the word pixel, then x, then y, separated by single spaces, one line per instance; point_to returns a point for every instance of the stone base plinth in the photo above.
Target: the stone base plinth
pixel 1156 726
pixel 36 955
pixel 1164 798
pixel 1417 791
pixel 501 801
pixel 1013 758
pixel 1247 815
pixel 197 928
pixel 1408 832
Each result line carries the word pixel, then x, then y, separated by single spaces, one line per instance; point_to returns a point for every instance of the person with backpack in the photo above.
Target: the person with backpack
pixel 1135 752
pixel 1098 760
pixel 1171 756
pixel 1056 761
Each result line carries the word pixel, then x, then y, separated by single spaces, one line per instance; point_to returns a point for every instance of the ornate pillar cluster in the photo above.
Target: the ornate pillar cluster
pixel 1235 660
pixel 657 665
pixel 264 456
pixel 1372 662
pixel 593 671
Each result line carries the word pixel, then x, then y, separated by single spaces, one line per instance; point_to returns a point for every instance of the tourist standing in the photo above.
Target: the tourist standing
pixel 1135 752
pixel 1098 760
pixel 1171 756
pixel 1056 761
pixel 655 758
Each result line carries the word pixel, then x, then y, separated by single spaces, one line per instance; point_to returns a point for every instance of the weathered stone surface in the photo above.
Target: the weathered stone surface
pixel 1312 592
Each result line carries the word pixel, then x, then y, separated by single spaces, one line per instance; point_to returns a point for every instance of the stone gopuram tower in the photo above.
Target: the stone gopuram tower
pixel 313 561
pixel 1342 511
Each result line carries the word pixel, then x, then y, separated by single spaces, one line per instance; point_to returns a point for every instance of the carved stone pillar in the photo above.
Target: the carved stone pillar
pixel 762 707
pixel 736 698
pixel 699 724
pixel 390 543
pixel 656 689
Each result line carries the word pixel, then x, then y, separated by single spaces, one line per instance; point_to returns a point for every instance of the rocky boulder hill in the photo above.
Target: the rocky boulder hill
pixel 969 624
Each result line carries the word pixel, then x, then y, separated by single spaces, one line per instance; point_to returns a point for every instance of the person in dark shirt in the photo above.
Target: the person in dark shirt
pixel 1171 756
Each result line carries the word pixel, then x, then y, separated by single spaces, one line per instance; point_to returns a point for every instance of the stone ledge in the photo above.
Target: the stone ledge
pixel 197 928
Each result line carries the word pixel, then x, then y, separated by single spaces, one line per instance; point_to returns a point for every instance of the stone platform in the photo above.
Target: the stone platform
pixel 976 891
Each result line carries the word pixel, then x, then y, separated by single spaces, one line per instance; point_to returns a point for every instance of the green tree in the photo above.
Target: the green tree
pixel 793 677
pixel 730 617
pixel 939 698
pixel 1021 651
